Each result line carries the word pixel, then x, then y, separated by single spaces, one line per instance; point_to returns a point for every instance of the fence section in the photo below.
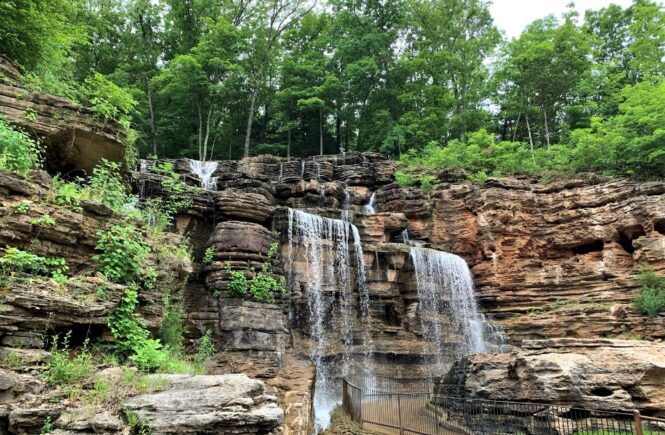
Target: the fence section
pixel 424 413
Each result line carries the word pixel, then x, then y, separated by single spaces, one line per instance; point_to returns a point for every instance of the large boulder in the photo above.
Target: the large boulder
pixel 594 374
pixel 229 404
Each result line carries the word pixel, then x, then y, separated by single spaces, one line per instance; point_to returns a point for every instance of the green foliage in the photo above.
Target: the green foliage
pixel 107 100
pixel 172 330
pixel 237 282
pixel 17 260
pixel 208 255
pixel 67 193
pixel 132 337
pixel 651 298
pixel 121 252
pixel 137 425
pixel 263 286
pixel 206 348
pixel 64 368
pixel 22 207
pixel 30 114
pixel 18 152
pixel 106 185
pixel 47 427
pixel 159 212
pixel 44 220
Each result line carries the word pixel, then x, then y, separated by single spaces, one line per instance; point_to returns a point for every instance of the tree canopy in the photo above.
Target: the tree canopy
pixel 213 79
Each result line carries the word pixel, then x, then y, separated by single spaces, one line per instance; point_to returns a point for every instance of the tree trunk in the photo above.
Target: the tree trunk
pixel 338 132
pixel 320 132
pixel 528 128
pixel 547 131
pixel 153 127
pixel 198 109
pixel 288 145
pixel 207 135
pixel 230 142
pixel 250 120
pixel 517 124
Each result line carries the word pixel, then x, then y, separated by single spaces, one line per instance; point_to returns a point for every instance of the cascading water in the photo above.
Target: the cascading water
pixel 204 171
pixel 442 277
pixel 370 208
pixel 325 246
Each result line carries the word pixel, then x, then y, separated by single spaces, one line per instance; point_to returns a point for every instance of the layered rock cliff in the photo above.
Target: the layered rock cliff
pixel 549 260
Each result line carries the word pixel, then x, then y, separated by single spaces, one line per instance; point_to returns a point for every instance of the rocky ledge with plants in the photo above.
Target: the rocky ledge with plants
pixel 92 327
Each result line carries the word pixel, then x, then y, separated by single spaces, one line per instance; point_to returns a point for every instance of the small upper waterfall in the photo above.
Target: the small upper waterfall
pixel 445 287
pixel 370 208
pixel 324 247
pixel 204 171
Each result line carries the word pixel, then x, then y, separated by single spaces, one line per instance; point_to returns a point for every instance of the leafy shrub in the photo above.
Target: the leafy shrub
pixel 47 427
pixel 237 281
pixel 107 100
pixel 65 369
pixel 23 261
pixel 263 287
pixel 107 185
pixel 21 208
pixel 159 212
pixel 30 114
pixel 208 255
pixel 651 298
pixel 18 152
pixel 132 337
pixel 67 193
pixel 172 330
pixel 121 252
pixel 405 179
pixel 44 220
pixel 206 348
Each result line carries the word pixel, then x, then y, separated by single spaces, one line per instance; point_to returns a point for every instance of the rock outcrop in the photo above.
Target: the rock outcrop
pixel 230 404
pixel 593 374
pixel 75 139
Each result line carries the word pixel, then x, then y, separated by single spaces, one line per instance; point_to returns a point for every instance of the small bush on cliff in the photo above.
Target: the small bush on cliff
pixel 121 252
pixel 107 100
pixel 17 260
pixel 18 152
pixel 64 368
pixel 651 298
pixel 132 337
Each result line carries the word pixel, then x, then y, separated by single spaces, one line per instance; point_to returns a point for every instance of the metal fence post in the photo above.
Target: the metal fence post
pixel 637 418
pixel 399 413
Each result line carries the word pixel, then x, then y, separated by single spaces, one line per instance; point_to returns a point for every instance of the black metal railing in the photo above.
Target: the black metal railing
pixel 425 413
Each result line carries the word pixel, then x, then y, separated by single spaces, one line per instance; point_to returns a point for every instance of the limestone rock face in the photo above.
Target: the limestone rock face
pixel 251 207
pixel 595 374
pixel 73 137
pixel 229 404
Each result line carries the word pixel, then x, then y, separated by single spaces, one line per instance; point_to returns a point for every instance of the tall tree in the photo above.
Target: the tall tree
pixel 271 20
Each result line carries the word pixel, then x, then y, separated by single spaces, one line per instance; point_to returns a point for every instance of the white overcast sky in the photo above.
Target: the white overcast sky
pixel 513 15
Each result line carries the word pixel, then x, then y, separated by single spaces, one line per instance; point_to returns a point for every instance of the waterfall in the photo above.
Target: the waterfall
pixel 370 208
pixel 204 171
pixel 324 245
pixel 442 277
pixel 143 165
